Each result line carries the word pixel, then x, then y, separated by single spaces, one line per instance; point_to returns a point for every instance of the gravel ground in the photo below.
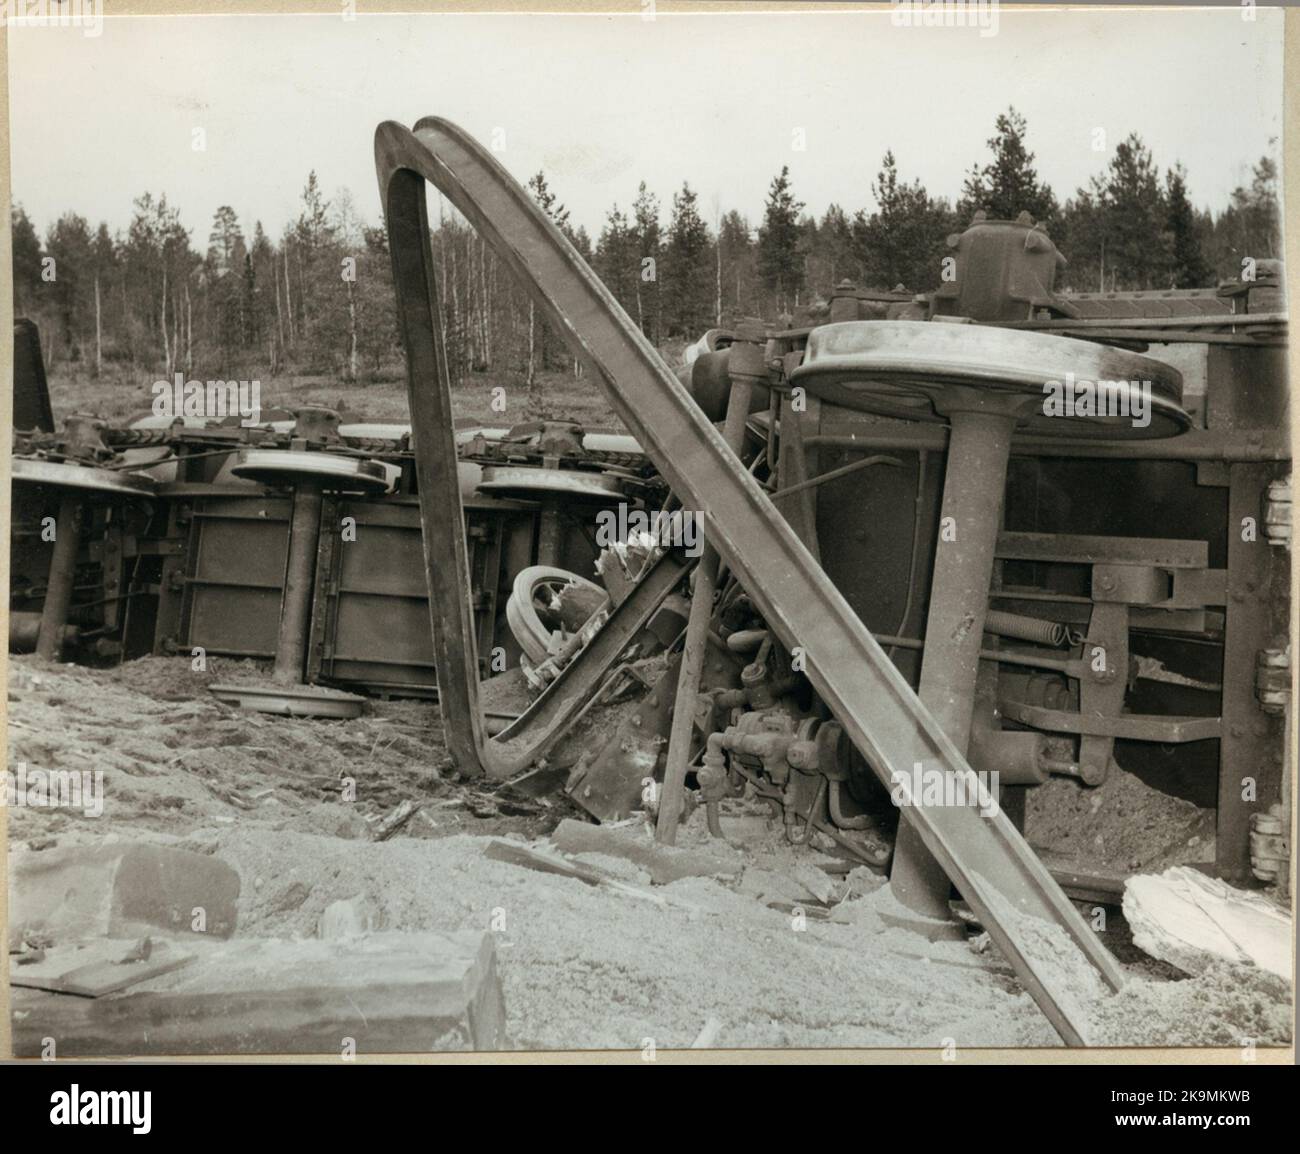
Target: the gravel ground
pixel 583 967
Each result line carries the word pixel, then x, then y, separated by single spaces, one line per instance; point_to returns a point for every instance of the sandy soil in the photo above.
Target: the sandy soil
pixel 1122 825
pixel 582 967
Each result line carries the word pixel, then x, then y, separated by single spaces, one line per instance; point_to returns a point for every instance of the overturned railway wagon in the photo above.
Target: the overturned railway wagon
pixel 994 527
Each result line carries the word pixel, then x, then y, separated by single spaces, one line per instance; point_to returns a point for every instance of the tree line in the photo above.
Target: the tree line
pixel 319 300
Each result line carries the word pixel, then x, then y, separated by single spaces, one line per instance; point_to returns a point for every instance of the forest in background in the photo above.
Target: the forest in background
pixel 318 299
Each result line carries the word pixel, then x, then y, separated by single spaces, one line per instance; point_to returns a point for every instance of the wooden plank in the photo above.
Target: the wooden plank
pixel 381 994
pixel 93 969
pixel 663 863
pixel 532 859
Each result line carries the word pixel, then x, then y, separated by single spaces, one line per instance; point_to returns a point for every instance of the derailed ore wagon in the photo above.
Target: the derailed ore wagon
pixel 994 528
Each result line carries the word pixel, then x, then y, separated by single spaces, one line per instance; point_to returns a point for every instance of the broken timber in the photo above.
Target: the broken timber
pixel 384 993
pixel 1190 920
pixel 986 858
pixel 664 864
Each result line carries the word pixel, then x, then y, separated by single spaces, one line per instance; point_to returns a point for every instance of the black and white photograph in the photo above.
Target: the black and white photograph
pixel 659 532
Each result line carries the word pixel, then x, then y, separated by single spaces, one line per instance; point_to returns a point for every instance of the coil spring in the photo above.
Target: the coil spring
pixel 1024 628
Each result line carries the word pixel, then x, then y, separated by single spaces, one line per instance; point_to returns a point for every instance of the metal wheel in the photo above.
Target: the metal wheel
pixel 85 478
pixel 531 612
pixel 910 369
pixel 331 470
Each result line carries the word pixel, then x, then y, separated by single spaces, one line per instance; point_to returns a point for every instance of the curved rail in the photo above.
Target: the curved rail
pixel 1000 877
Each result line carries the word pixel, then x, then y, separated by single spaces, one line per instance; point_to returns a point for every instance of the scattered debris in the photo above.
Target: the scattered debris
pixel 561 948
pixel 403 813
pixel 116 890
pixel 587 874
pixel 1191 920
pixel 636 843
pixel 708 1035
pixel 815 882
pixel 345 919
pixel 92 969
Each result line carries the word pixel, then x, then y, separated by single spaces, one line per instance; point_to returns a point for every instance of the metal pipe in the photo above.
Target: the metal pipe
pixel 1005 656
pixel 979 448
pixel 863 821
pixel 697 636
pixel 1195 321
pixel 25 628
pixel 842 471
pixel 63 569
pixel 550 533
pixel 712 818
pixel 299 579
pixel 918 509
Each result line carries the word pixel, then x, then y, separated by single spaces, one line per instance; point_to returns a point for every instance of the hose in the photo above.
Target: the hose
pixel 837 815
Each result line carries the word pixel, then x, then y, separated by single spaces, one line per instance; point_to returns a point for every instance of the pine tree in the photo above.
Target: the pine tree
pixel 546 199
pixel 649 244
pixel 1137 248
pixel 224 240
pixel 835 258
pixel 104 257
pixel 779 262
pixel 1009 184
pixel 537 342
pixel 739 267
pixel 69 243
pixel 688 267
pixel 223 273
pixel 616 258
pixel 1188 265
pixel 1250 227
pixel 26 262
pixel 903 241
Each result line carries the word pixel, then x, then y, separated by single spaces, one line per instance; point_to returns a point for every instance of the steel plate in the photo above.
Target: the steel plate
pixel 291 700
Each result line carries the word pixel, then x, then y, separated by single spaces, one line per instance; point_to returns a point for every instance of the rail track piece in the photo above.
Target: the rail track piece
pixel 989 862
pixel 446 560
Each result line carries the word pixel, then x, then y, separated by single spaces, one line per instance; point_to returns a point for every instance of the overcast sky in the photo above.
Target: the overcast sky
pixel 603 102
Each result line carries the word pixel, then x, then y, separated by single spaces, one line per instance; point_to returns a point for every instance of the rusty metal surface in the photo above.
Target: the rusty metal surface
pixel 986 857
pixel 233 579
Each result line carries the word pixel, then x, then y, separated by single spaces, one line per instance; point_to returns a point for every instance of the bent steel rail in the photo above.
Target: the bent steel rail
pixel 1000 877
